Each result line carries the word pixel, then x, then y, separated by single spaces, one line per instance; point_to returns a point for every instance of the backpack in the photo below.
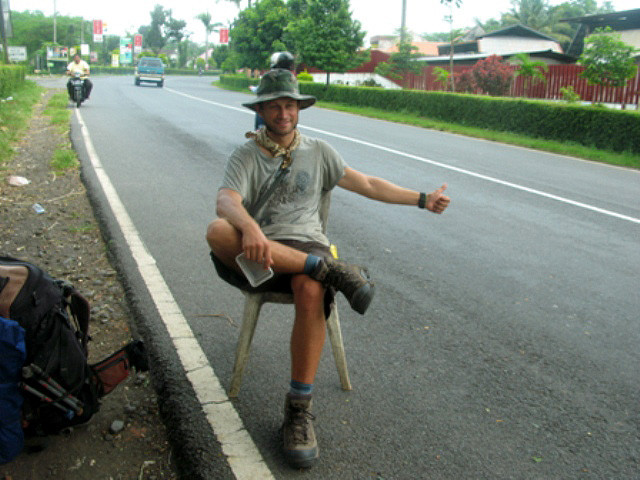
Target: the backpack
pixel 12 353
pixel 59 387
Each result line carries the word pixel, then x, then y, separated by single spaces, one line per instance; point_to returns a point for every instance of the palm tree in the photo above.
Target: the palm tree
pixel 539 16
pixel 209 27
pixel 530 70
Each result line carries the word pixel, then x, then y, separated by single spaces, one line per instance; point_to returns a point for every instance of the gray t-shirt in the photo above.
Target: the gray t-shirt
pixel 292 211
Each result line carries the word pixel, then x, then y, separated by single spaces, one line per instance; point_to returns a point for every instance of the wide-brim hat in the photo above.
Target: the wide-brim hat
pixel 279 83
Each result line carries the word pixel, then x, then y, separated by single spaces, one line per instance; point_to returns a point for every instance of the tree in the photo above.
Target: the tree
pixel 608 61
pixel 442 76
pixel 539 16
pixel 34 30
pixel 442 36
pixel 492 75
pixel 257 33
pixel 529 70
pixel 326 37
pixel 401 63
pixel 209 27
pixel 220 54
pixel 153 36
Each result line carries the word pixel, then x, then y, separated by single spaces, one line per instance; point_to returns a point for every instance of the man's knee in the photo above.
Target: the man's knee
pixel 221 234
pixel 307 291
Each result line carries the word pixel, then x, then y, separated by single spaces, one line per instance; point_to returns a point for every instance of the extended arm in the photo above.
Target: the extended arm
pixel 384 191
pixel 254 243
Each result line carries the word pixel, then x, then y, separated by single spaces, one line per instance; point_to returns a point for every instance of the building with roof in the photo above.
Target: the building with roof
pixel 625 23
pixel 505 43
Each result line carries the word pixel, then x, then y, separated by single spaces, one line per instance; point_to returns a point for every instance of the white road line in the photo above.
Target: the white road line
pixel 242 454
pixel 437 164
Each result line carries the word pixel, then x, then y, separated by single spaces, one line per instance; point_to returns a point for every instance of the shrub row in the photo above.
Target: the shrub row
pixel 238 82
pixel 103 69
pixel 603 128
pixel 11 77
pixel 100 69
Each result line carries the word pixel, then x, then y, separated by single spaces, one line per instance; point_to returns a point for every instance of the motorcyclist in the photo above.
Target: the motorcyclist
pixel 278 60
pixel 79 65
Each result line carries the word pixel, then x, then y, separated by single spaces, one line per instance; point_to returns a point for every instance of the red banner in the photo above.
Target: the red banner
pixel 137 40
pixel 224 35
pixel 97 27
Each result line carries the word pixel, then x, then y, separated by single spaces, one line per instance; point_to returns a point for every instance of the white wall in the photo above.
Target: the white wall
pixel 354 79
pixel 631 37
pixel 515 44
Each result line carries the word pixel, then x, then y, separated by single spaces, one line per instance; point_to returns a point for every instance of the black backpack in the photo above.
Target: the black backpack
pixel 59 387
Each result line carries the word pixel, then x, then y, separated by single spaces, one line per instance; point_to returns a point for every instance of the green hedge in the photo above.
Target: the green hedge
pixel 11 77
pixel 238 82
pixel 99 69
pixel 603 128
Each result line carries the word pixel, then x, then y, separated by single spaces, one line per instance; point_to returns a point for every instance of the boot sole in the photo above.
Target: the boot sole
pixel 362 298
pixel 302 459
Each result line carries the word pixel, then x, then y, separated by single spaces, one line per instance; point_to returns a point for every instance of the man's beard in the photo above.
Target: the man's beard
pixel 280 134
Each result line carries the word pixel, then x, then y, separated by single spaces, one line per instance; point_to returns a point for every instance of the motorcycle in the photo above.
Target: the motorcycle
pixel 77 84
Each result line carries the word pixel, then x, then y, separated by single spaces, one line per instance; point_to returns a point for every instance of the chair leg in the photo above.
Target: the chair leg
pixel 337 347
pixel 252 306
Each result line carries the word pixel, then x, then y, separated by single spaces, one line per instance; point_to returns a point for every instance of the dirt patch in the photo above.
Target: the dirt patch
pixel 66 241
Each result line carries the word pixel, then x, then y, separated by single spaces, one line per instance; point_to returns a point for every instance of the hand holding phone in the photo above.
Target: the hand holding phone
pixel 254 271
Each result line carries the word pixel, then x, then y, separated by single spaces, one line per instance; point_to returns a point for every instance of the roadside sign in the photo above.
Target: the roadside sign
pixel 224 35
pixel 17 54
pixel 126 51
pixel 137 43
pixel 97 31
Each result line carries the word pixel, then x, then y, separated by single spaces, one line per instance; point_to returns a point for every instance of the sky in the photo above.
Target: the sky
pixel 423 16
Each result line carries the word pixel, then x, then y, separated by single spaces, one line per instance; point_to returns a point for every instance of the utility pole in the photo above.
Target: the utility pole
pixel 55 33
pixel 3 34
pixel 403 24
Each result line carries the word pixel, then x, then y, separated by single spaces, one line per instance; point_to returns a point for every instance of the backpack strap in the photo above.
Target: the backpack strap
pixel 81 312
pixel 12 279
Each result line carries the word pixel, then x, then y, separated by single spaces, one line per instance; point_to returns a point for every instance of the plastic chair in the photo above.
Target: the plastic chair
pixel 252 306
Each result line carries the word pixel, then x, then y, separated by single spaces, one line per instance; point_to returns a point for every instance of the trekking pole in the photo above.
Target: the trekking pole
pixel 53 386
pixel 68 413
pixel 60 396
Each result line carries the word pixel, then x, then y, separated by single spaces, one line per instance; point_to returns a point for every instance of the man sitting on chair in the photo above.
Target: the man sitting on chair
pixel 286 234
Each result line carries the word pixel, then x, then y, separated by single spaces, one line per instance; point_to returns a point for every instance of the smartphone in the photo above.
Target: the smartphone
pixel 254 271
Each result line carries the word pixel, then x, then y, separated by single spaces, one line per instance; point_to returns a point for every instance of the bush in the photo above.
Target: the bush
pixel 11 77
pixel 238 81
pixel 492 75
pixel 569 95
pixel 305 76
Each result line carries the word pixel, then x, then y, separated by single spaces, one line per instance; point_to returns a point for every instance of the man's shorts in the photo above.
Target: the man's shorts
pixel 280 282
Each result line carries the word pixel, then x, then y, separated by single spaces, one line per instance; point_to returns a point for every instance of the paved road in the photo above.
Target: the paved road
pixel 503 340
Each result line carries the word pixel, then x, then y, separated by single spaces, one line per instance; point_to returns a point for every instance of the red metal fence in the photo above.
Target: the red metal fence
pixel 556 77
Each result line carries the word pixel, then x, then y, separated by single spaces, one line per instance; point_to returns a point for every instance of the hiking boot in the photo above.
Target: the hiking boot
pixel 352 280
pixel 299 438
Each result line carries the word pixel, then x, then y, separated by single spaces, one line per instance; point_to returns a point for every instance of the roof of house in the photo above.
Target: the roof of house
pixel 625 20
pixel 424 48
pixel 478 56
pixel 518 30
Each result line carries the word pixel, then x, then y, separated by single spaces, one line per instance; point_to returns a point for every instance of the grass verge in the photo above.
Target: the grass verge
pixel 15 113
pixel 64 158
pixel 58 111
pixel 563 148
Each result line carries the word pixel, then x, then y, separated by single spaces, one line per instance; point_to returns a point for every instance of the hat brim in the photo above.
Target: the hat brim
pixel 305 100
